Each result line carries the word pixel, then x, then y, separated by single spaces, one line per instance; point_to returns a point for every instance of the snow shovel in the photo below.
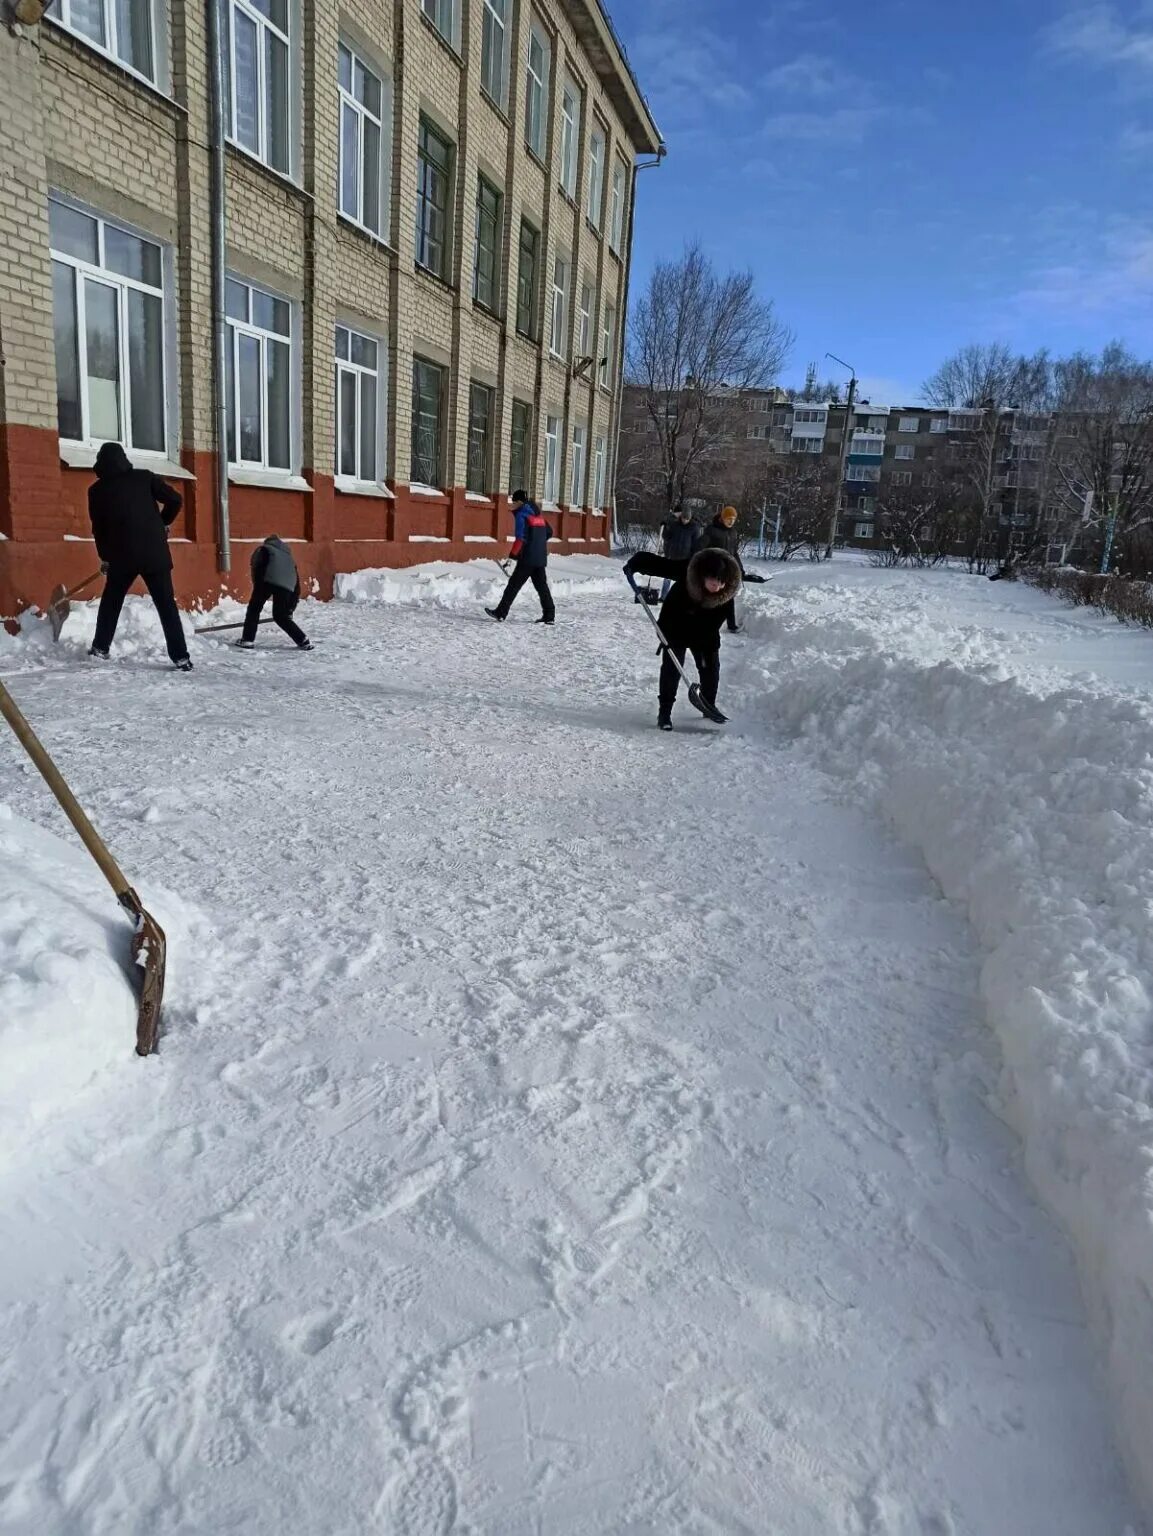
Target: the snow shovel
pixel 710 711
pixel 58 605
pixel 212 629
pixel 149 947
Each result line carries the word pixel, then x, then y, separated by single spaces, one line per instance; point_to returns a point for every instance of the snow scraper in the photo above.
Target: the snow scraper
pixel 149 947
pixel 58 605
pixel 213 629
pixel 696 699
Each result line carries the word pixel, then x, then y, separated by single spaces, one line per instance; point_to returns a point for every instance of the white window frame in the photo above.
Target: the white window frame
pixel 909 424
pixel 939 424
pixel 617 204
pixel 536 93
pixel 552 458
pixel 585 328
pixel 247 328
pixel 351 374
pixel 61 15
pixel 863 530
pixel 864 474
pixel 598 474
pixel 570 135
pixel 903 477
pixel 558 323
pixel 494 47
pixel 594 209
pixel 265 28
pixel 760 433
pixel 349 102
pixel 579 464
pixel 98 273
pixel 606 367
pixel 904 451
pixel 808 417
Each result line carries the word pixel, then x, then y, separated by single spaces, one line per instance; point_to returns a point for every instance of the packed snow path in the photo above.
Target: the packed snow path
pixel 560 1128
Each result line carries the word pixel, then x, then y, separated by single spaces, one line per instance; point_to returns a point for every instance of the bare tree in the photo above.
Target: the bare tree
pixel 916 523
pixel 989 373
pixel 798 487
pixel 696 340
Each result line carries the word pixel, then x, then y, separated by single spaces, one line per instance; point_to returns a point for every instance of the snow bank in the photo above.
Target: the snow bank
pixel 67 1009
pixel 1031 799
pixel 451 584
pixel 138 635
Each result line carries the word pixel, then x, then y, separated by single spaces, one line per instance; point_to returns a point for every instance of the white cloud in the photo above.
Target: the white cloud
pixel 810 74
pixel 688 72
pixel 1103 35
pixel 1136 142
pixel 839 125
pixel 1115 278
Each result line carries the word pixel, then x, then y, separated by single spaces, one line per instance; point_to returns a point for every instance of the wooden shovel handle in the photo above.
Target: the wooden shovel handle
pixel 87 833
pixel 87 582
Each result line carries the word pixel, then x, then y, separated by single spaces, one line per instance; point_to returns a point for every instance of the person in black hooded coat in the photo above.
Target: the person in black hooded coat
pixel 131 511
pixel 691 617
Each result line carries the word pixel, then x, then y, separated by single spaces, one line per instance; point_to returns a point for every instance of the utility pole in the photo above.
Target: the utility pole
pixel 844 455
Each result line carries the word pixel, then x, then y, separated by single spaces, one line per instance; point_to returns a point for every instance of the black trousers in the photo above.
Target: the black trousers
pixel 730 612
pixel 283 605
pixel 708 667
pixel 159 584
pixel 539 578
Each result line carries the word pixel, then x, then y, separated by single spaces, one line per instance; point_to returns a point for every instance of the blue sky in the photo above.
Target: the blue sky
pixel 908 176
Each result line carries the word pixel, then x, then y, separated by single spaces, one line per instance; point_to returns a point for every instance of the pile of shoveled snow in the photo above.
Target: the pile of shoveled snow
pixel 445 584
pixel 1030 795
pixel 67 1008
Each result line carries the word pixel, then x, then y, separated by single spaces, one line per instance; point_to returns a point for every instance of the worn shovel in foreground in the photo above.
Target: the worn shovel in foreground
pixel 149 947
pixel 58 605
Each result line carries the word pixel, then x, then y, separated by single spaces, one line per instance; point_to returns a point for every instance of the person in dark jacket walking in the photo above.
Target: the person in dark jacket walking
pixel 274 576
pixel 722 534
pixel 691 617
pixel 530 552
pixel 131 511
pixel 680 539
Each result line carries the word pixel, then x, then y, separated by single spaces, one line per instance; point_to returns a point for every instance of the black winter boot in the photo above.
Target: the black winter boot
pixel 665 717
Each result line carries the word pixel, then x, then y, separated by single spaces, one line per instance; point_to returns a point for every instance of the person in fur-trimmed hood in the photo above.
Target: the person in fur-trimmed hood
pixel 691 617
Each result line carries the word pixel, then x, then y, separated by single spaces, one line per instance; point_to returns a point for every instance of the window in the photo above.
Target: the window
pixel 442 14
pixel 427 422
pixel 494 50
pixel 599 473
pixel 519 446
pixel 868 474
pixel 536 92
pixel 109 323
pixel 596 178
pixel 762 404
pixel 259 117
pixel 358 407
pixel 903 477
pixel 576 495
pixel 551 458
pixel 585 332
pixel 939 424
pixel 433 172
pixel 123 29
pixel 617 206
pixel 810 418
pixel 761 432
pixel 558 329
pixel 965 421
pixel 570 116
pixel 905 451
pixel 260 377
pixel 479 438
pixel 865 504
pixel 486 270
pixel 363 148
pixel 863 531
pixel 807 445
pixel 608 344
pixel 526 281
pixel 910 424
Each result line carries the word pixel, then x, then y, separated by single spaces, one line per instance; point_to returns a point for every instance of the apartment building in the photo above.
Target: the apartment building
pixel 425 255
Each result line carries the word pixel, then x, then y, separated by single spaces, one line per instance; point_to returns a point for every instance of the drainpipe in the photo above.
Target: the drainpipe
pixel 216 96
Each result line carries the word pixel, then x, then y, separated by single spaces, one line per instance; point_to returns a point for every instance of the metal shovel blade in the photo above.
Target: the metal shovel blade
pixel 149 955
pixel 710 711
pixel 58 609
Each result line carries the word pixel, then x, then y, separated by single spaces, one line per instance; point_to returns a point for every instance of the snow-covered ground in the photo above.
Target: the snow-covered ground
pixel 569 1130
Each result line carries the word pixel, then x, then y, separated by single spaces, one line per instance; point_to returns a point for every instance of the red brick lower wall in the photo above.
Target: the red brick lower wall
pixel 47 538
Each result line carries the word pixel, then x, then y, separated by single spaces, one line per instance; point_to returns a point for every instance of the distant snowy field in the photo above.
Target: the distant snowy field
pixel 565 1129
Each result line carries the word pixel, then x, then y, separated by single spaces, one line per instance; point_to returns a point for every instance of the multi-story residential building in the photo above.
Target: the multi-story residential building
pixel 425 251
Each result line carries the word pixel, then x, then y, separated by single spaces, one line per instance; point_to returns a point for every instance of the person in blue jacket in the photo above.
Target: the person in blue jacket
pixel 530 554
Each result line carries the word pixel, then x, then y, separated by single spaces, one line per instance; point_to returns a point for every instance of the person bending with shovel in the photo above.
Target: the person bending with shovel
pixel 690 620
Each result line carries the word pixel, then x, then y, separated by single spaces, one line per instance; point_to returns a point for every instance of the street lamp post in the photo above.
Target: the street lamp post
pixel 844 457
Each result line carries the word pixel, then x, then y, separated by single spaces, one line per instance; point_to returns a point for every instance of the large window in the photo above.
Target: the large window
pixel 486 268
pixel 910 424
pixel 905 451
pixel 519 446
pixel 576 494
pixel 551 458
pixel 494 50
pixel 433 178
pixel 363 143
pixel 108 318
pixel 260 377
pixel 259 117
pixel 526 280
pixel 596 178
pixel 358 407
pixel 536 92
pixel 585 322
pixel 617 205
pixel 599 473
pixel 608 344
pixel 570 130
pixel 442 14
pixel 864 474
pixel 558 326
pixel 427 422
pixel 123 29
pixel 480 414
